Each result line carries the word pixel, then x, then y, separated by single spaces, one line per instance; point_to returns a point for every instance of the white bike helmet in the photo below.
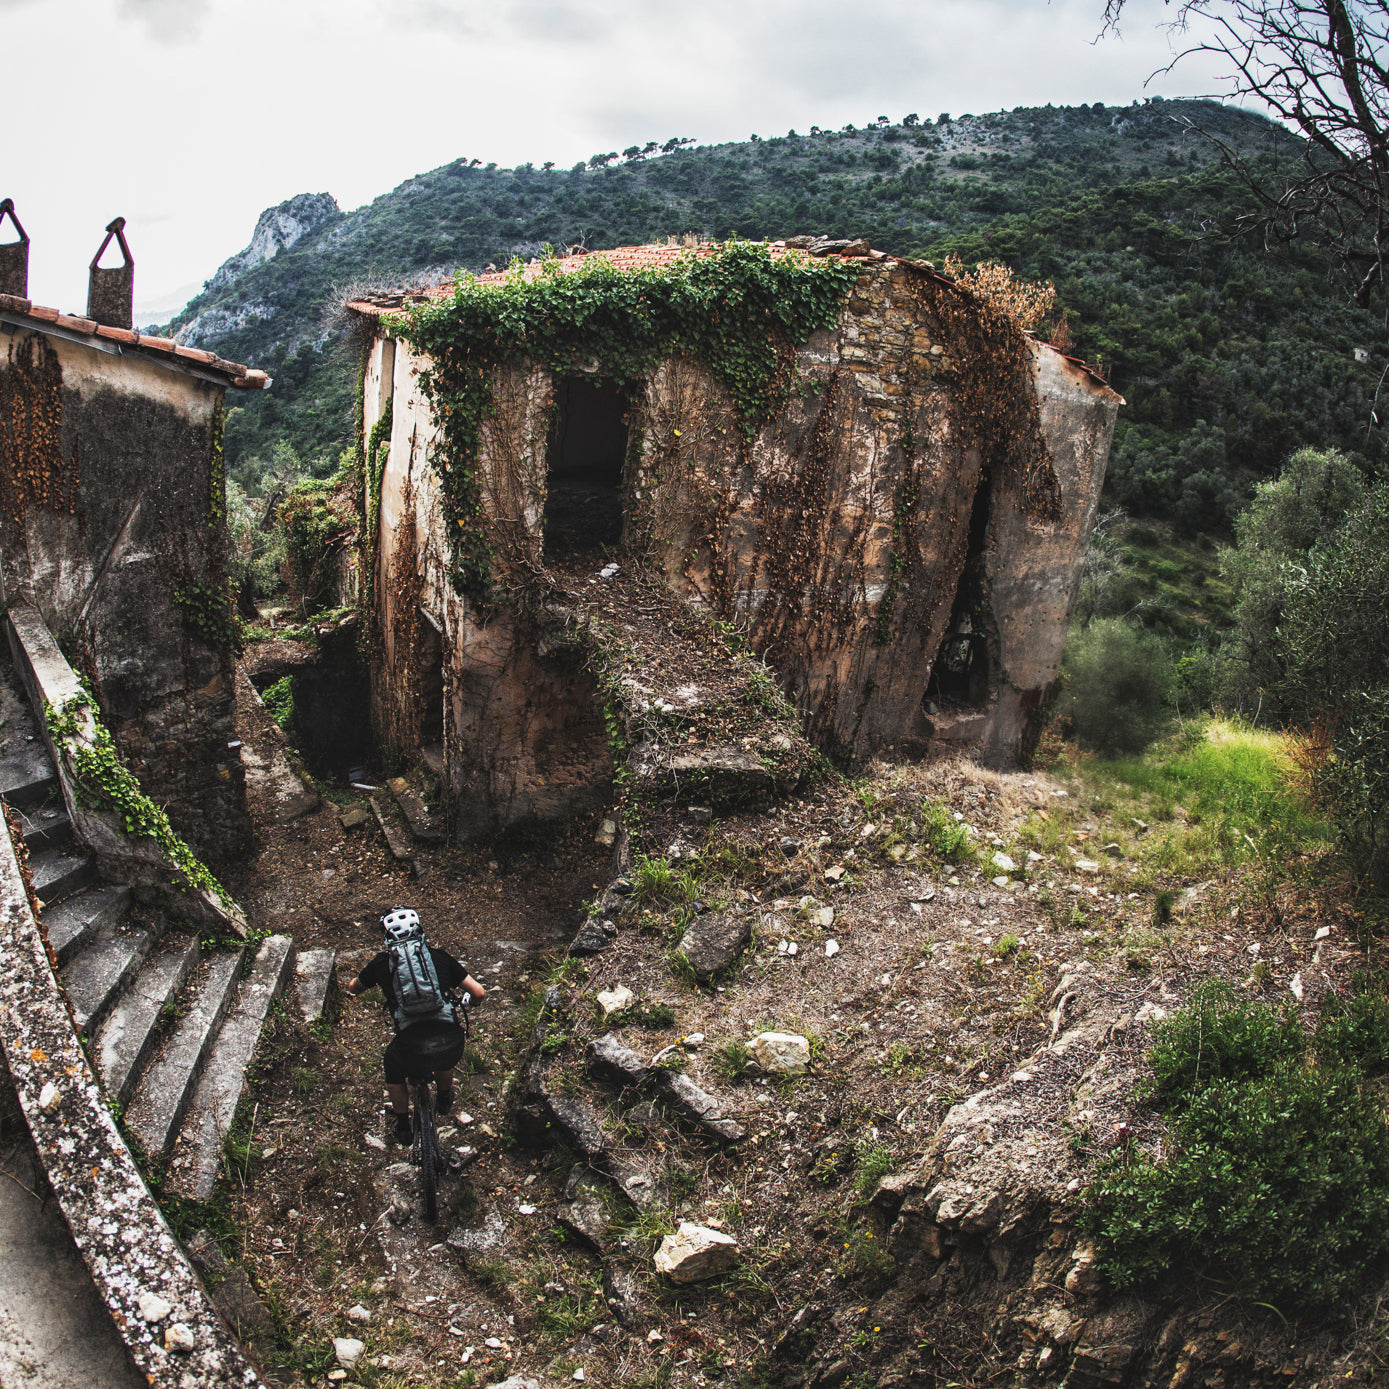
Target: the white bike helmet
pixel 400 923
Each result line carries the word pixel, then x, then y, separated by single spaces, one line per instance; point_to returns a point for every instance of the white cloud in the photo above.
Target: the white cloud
pixel 216 109
pixel 167 21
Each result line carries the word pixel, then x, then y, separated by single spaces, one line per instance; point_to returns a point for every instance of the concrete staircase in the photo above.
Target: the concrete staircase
pixel 409 827
pixel 170 1028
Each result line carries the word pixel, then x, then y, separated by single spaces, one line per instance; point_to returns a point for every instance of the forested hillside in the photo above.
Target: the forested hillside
pixel 1230 356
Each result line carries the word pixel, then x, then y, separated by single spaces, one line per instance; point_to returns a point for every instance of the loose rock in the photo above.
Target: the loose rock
pixel 713 943
pixel 179 1339
pixel 615 1000
pixel 347 1351
pixel 781 1053
pixel 695 1252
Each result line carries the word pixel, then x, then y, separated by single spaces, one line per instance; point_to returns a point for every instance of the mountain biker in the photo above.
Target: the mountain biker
pixel 402 924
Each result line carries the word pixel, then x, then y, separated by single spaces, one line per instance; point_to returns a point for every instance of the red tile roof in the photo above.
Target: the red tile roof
pixel 643 257
pixel 246 378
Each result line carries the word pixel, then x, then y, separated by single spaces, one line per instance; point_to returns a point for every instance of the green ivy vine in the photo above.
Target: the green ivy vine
pixel 105 781
pixel 377 455
pixel 207 609
pixel 742 312
pixel 217 469
pixel 904 501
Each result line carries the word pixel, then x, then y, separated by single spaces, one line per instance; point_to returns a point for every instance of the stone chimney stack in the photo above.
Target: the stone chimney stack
pixel 111 293
pixel 14 256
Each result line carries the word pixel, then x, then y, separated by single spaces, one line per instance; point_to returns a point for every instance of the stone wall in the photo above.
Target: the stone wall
pixel 112 503
pixel 881 511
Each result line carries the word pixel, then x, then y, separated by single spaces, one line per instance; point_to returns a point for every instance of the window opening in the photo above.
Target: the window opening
pixel 961 675
pixel 587 452
pixel 431 658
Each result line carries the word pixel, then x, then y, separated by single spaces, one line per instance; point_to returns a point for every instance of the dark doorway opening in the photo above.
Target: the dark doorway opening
pixel 588 448
pixel 431 672
pixel 962 673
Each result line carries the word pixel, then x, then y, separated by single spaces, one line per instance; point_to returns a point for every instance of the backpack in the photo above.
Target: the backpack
pixel 418 996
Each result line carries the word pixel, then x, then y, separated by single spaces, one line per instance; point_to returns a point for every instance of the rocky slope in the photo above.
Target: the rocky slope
pixel 973 963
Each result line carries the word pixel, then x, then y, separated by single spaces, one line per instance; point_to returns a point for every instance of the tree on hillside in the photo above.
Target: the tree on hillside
pixel 1322 66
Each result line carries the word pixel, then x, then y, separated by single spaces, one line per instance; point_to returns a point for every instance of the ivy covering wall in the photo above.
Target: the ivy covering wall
pixel 741 311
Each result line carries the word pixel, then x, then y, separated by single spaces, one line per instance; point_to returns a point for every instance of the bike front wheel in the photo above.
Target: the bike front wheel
pixel 428 1141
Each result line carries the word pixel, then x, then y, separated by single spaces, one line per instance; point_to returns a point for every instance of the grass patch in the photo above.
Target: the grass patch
pixel 1217 795
pixel 731 1060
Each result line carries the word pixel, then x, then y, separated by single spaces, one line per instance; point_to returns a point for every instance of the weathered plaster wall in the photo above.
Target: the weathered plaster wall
pixel 838 536
pixel 111 500
pixel 523 733
pixel 1034 565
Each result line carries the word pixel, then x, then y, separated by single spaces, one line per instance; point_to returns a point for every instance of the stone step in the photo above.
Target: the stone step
pixel 128 1035
pixel 26 770
pixel 46 825
pixel 100 973
pixel 314 970
pixel 80 919
pixel 165 1090
pixel 58 873
pixel 417 816
pixel 393 826
pixel 199 1150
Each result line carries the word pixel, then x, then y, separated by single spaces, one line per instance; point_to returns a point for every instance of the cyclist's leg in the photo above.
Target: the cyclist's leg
pixel 398 1110
pixel 443 1082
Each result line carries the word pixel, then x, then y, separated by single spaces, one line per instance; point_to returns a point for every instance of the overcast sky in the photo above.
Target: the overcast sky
pixel 188 117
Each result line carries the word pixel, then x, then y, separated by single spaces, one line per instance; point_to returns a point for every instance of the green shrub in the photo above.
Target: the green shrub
pixel 279 701
pixel 1276 1180
pixel 1356 1033
pixel 1220 1035
pixel 1116 679
pixel 1278 1185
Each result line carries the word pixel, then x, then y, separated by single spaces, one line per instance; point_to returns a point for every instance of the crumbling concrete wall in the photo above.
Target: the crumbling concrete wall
pixel 112 502
pixel 839 538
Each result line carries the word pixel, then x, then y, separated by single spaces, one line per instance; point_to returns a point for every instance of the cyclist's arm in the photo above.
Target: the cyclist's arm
pixel 367 979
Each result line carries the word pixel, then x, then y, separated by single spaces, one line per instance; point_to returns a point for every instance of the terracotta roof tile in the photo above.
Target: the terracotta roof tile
pixel 237 375
pixel 641 258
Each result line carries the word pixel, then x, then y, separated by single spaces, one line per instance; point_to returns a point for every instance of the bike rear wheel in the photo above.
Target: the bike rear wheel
pixel 427 1140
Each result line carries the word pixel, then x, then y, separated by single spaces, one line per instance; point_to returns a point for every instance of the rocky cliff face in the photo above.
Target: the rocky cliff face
pixel 277 229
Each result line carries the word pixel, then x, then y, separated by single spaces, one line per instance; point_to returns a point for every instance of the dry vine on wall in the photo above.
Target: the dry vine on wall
pixel 34 472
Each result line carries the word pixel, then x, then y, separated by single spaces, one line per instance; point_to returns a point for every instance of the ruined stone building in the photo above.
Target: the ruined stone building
pixel 899 533
pixel 112 526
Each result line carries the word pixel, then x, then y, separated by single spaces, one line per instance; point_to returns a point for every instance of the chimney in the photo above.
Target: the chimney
pixel 14 256
pixel 111 293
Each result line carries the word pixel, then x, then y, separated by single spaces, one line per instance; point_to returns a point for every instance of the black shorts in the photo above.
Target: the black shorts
pixel 426 1047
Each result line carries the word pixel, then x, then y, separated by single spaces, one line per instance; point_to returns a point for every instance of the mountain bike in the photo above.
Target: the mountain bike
pixel 435 1049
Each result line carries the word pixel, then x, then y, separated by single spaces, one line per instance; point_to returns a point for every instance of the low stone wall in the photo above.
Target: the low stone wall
pixel 159 1306
pixel 51 682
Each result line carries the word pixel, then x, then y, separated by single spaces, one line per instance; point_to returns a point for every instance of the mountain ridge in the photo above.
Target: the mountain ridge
pixel 1111 203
